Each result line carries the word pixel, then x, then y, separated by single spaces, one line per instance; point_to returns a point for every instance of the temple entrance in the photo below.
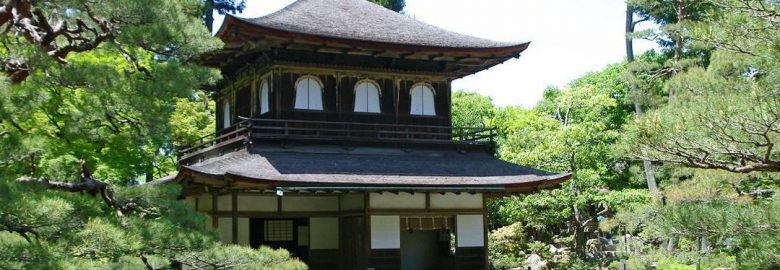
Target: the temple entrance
pixel 289 234
pixel 426 243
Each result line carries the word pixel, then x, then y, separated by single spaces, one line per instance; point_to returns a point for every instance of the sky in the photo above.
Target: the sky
pixel 569 38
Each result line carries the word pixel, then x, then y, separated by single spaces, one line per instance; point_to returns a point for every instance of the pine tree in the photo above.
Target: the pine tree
pixel 97 95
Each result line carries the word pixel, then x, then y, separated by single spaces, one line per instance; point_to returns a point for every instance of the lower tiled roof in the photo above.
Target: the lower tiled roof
pixel 331 165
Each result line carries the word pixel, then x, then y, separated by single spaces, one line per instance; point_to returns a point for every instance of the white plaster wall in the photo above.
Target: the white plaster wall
pixel 225 230
pixel 352 202
pixel 324 233
pixel 385 232
pixel 303 235
pixel 469 231
pixel 256 203
pixel 313 204
pixel 456 201
pixel 243 231
pixel 225 202
pixel 204 202
pixel 388 200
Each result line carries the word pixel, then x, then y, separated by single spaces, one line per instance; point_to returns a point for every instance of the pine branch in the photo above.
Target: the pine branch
pixel 57 39
pixel 23 230
pixel 94 187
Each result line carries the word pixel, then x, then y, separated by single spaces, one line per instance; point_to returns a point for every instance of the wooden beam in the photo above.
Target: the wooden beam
pixel 425 212
pixel 427 201
pixel 214 210
pixel 234 214
pixel 260 214
pixel 366 230
pixel 485 230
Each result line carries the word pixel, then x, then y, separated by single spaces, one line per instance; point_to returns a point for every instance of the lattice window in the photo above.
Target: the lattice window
pixel 278 230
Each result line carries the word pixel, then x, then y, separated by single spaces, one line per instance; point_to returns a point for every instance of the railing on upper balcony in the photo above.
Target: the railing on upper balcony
pixel 238 131
pixel 344 132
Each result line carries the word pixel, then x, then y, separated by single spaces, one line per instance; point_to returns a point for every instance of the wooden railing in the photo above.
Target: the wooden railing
pixel 235 132
pixel 344 132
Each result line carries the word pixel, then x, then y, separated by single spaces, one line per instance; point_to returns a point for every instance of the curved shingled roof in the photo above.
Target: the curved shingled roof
pixel 365 21
pixel 329 165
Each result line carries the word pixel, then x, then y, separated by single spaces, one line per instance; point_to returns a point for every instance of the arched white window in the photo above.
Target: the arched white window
pixel 367 97
pixel 422 100
pixel 308 93
pixel 226 117
pixel 264 94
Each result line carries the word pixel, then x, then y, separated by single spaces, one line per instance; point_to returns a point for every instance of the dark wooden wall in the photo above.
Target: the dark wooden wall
pixel 338 99
pixel 470 258
pixel 385 259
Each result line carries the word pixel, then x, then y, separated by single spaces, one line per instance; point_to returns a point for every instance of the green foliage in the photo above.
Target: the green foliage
pixel 723 116
pixel 541 249
pixel 505 245
pixel 734 227
pixel 572 129
pixel 112 104
pixel 123 106
pixel 76 231
pixel 470 109
pixel 192 119
pixel 666 14
pixel 238 257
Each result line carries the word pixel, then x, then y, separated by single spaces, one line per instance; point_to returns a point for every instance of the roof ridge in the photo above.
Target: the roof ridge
pixel 363 20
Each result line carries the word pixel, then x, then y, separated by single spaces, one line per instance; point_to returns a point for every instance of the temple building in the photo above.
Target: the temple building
pixel 335 141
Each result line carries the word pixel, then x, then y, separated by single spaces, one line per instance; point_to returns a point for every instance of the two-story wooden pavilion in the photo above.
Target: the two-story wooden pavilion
pixel 334 140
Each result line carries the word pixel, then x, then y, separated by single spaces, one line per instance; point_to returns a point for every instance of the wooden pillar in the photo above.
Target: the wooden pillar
pixel 485 229
pixel 234 215
pixel 427 201
pixel 253 95
pixel 366 230
pixel 449 102
pixel 397 95
pixel 214 210
pixel 276 85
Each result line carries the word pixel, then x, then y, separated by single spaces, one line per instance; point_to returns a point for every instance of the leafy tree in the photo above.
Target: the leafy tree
pixel 723 117
pixel 568 132
pixel 222 7
pixel 110 86
pixel 470 109
pixel 729 116
pixel 39 35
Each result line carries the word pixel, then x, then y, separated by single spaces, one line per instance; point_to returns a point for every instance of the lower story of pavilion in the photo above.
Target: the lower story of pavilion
pixel 357 207
pixel 356 230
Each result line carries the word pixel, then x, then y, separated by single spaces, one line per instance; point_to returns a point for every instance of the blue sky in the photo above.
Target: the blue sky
pixel 568 39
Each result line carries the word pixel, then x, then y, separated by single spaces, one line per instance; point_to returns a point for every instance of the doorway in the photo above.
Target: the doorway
pixel 426 243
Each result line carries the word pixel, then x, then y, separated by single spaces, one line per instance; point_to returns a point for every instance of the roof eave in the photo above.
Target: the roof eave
pixel 230 21
pixel 231 179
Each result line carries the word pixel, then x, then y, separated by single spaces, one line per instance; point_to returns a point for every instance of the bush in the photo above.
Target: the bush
pixel 505 247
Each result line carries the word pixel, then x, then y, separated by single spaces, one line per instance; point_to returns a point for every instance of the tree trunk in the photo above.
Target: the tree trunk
pixel 580 239
pixel 647 165
pixel 670 246
pixel 678 42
